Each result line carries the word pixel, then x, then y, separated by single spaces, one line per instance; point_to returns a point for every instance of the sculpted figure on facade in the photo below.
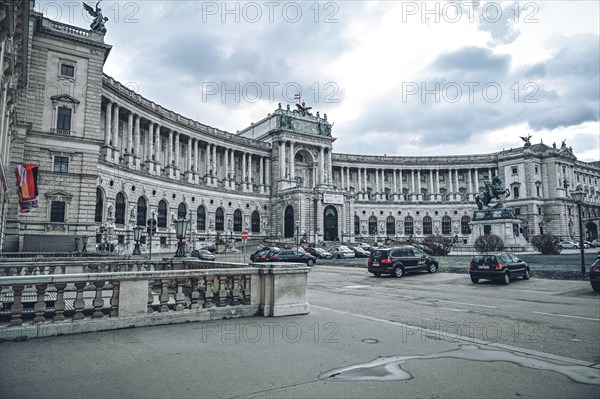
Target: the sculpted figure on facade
pixel 97 24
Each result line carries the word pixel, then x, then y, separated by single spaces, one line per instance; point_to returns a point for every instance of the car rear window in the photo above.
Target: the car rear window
pixel 380 254
pixel 485 260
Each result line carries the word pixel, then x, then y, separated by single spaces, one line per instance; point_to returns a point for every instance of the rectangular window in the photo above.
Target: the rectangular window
pixel 63 121
pixel 514 170
pixel 57 212
pixel 67 70
pixel 61 164
pixel 537 170
pixel 517 211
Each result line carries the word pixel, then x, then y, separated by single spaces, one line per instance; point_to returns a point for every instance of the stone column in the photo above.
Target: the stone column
pixel 250 184
pixel 207 164
pixel 244 173
pixel 157 149
pixel 476 181
pixel 450 186
pixel 130 150
pixel 267 176
pixel 170 165
pixel 188 166
pixel 401 191
pixel 115 134
pixel 232 163
pixel 419 192
pixel 382 184
pixel 148 165
pixel 395 188
pixel 470 186
pixel 282 160
pixel 412 176
pixel 108 132
pixel 457 196
pixel 196 162
pixel 376 191
pixel 437 184
pixel 214 166
pixel 291 161
pixel 136 150
pixel 226 158
pixel 359 181
pixel 329 168
pixel 432 192
pixel 261 174
pixel 366 196
pixel 322 165
pixel 177 149
pixel 347 178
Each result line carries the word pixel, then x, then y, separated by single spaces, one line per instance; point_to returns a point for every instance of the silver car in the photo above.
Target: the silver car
pixel 341 252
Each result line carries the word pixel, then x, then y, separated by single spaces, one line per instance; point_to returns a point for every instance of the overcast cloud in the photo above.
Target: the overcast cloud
pixel 396 77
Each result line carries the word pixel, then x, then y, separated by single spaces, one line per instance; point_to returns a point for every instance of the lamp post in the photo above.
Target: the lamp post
pixel 579 196
pixel 180 230
pixel 137 236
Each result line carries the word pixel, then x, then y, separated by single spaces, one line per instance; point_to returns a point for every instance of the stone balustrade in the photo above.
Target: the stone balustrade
pixel 55 304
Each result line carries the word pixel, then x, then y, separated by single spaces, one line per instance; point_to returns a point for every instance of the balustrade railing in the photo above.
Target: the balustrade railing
pixel 71 297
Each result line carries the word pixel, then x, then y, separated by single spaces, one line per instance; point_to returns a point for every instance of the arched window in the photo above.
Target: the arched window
pixel 255 222
pixel 515 192
pixel 99 205
pixel 219 220
pixel 142 211
pixel 427 225
pixel 120 209
pixel 408 226
pixel 237 221
pixel 288 224
pixel 465 227
pixel 162 214
pixel 182 211
pixel 201 218
pixel 372 225
pixel 356 225
pixel 446 225
pixel 390 226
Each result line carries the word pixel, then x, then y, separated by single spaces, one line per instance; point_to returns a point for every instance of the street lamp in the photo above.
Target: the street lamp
pixel 579 196
pixel 180 230
pixel 137 236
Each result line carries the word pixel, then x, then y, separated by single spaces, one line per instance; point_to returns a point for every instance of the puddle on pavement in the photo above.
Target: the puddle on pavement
pixel 390 368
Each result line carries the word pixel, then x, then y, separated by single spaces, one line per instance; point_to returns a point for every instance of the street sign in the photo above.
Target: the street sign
pixel 244 235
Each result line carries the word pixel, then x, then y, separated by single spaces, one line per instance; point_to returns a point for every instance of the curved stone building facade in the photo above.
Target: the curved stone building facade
pixel 109 157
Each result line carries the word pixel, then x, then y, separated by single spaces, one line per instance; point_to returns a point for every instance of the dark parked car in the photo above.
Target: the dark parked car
pixel 497 266
pixel 319 253
pixel 360 252
pixel 262 255
pixel 400 260
pixel 289 255
pixel 595 274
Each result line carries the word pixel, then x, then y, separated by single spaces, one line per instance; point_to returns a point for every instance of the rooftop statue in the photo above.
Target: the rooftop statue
pixel 303 109
pixel 97 24
pixel 527 141
pixel 492 190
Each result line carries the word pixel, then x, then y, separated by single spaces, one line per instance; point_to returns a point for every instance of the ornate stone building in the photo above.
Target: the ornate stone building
pixel 108 156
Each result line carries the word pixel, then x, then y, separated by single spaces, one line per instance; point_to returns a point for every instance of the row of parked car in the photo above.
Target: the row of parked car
pixel 575 244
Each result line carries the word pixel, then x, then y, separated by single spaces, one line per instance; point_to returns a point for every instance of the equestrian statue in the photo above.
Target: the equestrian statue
pixel 492 190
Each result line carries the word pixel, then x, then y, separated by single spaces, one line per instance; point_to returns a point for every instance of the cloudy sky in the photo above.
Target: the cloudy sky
pixel 396 77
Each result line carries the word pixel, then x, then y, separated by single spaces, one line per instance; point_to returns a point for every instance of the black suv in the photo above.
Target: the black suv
pixel 400 260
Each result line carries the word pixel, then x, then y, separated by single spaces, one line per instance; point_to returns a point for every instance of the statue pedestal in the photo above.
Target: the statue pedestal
pixel 502 222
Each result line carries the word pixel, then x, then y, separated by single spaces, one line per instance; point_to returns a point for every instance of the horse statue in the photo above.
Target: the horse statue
pixel 492 190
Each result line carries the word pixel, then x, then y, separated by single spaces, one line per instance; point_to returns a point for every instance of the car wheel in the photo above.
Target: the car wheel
pixel 526 274
pixel 474 280
pixel 432 268
pixel 376 274
pixel 339 257
pixel 398 272
pixel 506 280
pixel 595 285
pixel 310 262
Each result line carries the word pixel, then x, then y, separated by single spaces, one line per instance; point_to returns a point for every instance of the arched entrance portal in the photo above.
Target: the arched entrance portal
pixel 330 221
pixel 288 222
